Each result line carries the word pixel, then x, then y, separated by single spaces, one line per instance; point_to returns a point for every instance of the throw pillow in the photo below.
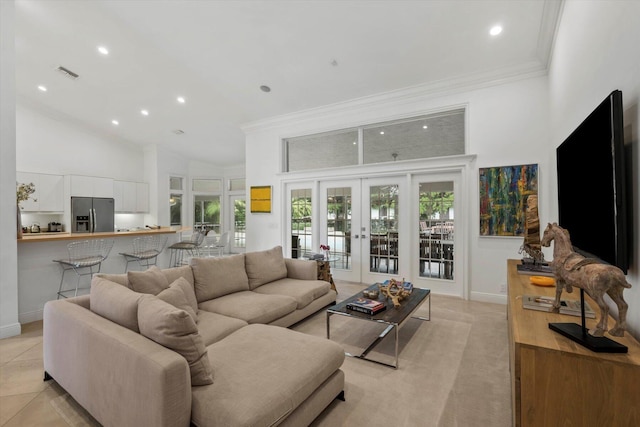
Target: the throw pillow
pixel 152 281
pixel 180 295
pixel 114 302
pixel 175 329
pixel 215 277
pixel 265 266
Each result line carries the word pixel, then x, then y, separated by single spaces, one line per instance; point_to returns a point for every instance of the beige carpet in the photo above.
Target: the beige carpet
pixel 454 369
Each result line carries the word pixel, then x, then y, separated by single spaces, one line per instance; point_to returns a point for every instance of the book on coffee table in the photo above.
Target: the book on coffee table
pixel 366 306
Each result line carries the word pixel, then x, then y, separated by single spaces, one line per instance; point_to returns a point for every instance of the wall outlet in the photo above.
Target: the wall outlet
pixel 503 288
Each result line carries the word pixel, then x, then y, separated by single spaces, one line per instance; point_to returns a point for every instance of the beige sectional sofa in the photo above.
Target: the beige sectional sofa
pixel 202 344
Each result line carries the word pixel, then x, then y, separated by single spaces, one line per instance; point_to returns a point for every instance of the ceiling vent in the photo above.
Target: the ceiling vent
pixel 67 72
pixel 178 131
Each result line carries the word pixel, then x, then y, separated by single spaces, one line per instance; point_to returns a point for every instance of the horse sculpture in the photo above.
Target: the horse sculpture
pixel 572 269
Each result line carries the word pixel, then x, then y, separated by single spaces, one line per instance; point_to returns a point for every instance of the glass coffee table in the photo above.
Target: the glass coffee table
pixel 393 317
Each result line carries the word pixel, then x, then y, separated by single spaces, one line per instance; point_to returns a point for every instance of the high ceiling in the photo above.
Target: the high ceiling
pixel 217 54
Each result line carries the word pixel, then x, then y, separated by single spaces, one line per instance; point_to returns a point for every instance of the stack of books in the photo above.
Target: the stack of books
pixel 571 307
pixel 366 306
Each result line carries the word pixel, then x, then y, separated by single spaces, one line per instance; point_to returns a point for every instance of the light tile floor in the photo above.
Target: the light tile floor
pixel 25 398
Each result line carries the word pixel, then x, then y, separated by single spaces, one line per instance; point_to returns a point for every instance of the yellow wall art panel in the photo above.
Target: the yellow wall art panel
pixel 261 199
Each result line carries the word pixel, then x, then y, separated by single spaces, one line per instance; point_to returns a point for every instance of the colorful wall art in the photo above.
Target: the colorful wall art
pixel 503 198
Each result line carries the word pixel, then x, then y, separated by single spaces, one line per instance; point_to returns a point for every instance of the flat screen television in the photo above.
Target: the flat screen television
pixel 592 198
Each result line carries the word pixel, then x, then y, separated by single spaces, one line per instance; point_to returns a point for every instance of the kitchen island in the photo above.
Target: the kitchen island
pixel 39 276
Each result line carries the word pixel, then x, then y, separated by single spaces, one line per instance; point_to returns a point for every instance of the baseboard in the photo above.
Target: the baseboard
pixel 486 297
pixel 31 316
pixel 12 330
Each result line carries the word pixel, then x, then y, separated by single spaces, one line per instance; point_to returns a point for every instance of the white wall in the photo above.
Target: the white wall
pixel 9 325
pixel 507 125
pixel 50 145
pixel 596 51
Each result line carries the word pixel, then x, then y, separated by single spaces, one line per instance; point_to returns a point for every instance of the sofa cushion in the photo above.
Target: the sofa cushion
pixel 213 326
pixel 215 277
pixel 170 273
pixel 288 364
pixel 175 329
pixel 151 281
pixel 303 291
pixel 174 273
pixel 180 295
pixel 251 307
pixel 120 279
pixel 265 266
pixel 115 302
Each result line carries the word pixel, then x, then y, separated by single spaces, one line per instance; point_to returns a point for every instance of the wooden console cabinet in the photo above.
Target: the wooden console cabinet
pixel 555 381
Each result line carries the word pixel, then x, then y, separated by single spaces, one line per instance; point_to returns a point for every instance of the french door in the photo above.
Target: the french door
pixel 379 228
pixel 361 223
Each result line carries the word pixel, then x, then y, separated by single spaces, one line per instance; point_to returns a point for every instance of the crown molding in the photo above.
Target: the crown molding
pixel 404 96
pixel 551 13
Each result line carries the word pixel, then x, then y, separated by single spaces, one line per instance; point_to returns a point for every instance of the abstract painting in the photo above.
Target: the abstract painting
pixel 503 198
pixel 261 199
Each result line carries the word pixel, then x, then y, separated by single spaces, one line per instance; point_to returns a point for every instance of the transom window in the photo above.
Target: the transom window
pixel 423 137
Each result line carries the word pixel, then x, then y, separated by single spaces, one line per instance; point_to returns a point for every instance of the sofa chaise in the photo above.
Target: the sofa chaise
pixel 204 344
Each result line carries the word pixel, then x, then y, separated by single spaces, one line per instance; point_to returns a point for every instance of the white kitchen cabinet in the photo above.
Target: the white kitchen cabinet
pixel 118 195
pixel 131 197
pixel 90 186
pixel 142 197
pixel 49 192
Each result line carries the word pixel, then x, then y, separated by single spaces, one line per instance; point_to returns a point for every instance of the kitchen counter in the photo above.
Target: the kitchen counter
pixel 39 276
pixel 56 236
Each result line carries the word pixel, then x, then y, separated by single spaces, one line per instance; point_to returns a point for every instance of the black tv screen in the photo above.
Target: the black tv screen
pixel 592 195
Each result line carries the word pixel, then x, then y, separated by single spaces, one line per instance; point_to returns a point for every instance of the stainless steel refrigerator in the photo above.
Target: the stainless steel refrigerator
pixel 91 214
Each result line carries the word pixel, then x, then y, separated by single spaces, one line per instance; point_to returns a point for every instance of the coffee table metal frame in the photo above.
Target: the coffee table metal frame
pixel 390 317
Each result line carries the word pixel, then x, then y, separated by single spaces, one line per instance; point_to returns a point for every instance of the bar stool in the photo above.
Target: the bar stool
pixel 191 246
pixel 221 244
pixel 84 256
pixel 145 251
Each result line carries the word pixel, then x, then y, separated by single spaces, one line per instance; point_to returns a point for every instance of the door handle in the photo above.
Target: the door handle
pixel 355 236
pixel 363 236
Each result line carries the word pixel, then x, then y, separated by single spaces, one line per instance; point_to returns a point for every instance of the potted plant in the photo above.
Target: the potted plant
pixel 23 193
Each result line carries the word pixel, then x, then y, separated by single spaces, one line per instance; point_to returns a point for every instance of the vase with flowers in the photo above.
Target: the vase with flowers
pixel 325 251
pixel 23 193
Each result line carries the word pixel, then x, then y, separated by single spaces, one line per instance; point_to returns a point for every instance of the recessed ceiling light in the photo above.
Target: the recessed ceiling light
pixel 495 30
pixel 265 88
pixel 115 122
pixel 381 132
pixel 103 50
pixel 144 112
pixel 425 127
pixel 181 100
pixel 42 88
pixel 355 143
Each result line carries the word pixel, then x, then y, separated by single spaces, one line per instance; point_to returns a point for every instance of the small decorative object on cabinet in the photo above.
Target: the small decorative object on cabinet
pixel 572 269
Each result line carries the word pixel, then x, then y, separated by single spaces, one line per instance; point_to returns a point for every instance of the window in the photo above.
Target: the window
pixel 322 150
pixel 418 138
pixel 206 209
pixel 423 137
pixel 237 184
pixel 175 209
pixel 206 185
pixel 176 191
pixel 301 230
